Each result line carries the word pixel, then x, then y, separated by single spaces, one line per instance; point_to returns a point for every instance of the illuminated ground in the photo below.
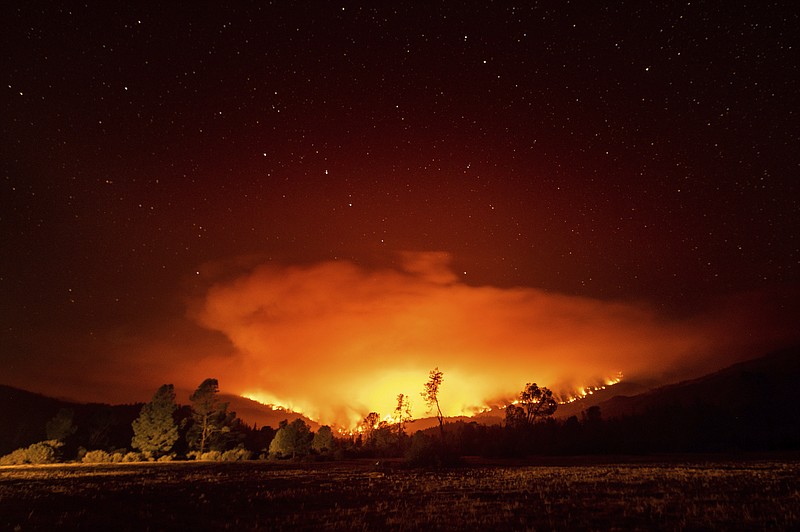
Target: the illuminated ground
pixel 686 494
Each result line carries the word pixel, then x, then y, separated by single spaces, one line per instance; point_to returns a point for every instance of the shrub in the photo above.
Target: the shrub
pixel 132 457
pixel 97 457
pixel 18 457
pixel 44 452
pixel 165 458
pixel 232 455
pixel 236 455
pixel 209 456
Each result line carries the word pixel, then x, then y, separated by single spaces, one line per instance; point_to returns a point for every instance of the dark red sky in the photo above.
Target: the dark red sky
pixel 630 154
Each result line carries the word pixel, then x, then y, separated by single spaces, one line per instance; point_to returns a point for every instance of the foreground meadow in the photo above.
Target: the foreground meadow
pixel 730 495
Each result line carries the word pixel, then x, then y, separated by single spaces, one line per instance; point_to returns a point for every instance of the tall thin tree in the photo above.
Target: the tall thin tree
pixel 402 415
pixel 431 395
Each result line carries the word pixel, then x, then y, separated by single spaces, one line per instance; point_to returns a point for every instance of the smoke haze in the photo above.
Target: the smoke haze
pixel 335 340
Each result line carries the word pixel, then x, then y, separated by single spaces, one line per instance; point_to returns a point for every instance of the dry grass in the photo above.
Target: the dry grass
pixel 257 495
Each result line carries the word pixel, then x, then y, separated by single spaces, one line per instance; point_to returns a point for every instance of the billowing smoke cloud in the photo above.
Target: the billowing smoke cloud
pixel 336 341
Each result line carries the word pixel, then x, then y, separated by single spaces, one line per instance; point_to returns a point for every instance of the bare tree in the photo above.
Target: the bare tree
pixel 431 395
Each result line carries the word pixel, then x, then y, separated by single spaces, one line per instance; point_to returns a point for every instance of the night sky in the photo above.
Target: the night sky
pixel 238 191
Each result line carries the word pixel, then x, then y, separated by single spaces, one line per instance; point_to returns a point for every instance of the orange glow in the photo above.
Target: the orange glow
pixel 583 391
pixel 337 341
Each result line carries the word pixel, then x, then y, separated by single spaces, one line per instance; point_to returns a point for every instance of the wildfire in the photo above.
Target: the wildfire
pixel 269 400
pixel 357 417
pixel 585 391
pixel 337 341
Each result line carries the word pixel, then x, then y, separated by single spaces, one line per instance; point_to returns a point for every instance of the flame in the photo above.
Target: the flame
pixel 354 424
pixel 270 400
pixel 379 394
pixel 585 391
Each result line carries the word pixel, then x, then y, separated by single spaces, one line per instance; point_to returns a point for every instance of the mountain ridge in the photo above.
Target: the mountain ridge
pixel 771 377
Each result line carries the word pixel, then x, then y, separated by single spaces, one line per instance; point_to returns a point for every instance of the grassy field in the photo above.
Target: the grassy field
pixel 572 495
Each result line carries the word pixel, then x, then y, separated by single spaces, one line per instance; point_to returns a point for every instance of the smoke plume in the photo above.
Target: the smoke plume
pixel 336 341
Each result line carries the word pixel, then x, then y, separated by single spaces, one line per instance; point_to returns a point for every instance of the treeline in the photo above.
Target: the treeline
pixel 158 430
pixel 206 430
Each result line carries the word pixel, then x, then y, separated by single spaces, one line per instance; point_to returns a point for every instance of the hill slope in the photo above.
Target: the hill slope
pixel 253 412
pixel 24 417
pixel 763 386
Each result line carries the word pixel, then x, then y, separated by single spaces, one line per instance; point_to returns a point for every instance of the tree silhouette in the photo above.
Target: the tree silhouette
pixel 155 431
pixel 402 415
pixel 292 439
pixel 323 440
pixel 515 417
pixel 61 426
pixel 369 424
pixel 431 395
pixel 101 426
pixel 210 416
pixel 535 403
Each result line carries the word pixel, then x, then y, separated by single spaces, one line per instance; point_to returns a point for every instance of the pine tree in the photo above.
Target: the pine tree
pixel 210 416
pixel 155 430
